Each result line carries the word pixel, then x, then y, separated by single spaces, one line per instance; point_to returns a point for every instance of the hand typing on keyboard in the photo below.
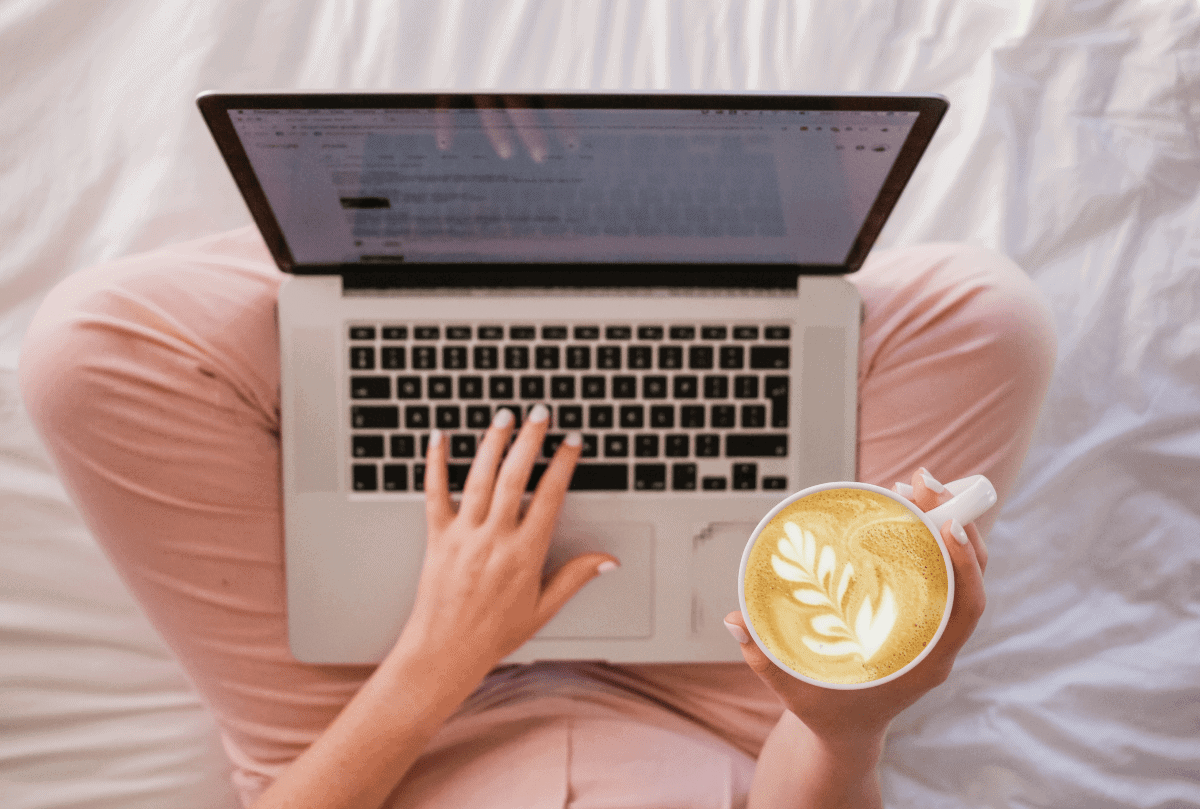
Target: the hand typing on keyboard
pixel 518 118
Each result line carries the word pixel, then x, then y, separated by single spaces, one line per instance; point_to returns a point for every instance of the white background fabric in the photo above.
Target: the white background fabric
pixel 1072 144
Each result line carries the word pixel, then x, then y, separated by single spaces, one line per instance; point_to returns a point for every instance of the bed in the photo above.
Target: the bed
pixel 1072 144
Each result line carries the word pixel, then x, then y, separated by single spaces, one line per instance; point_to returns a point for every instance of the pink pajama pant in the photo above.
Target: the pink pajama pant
pixel 154 381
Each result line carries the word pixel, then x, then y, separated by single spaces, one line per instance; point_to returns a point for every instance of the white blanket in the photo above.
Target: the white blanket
pixel 1072 144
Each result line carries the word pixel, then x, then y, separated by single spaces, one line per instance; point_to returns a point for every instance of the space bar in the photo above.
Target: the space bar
pixel 600 477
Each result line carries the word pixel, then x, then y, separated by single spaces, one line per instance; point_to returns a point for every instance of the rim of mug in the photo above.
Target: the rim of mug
pixel 821 487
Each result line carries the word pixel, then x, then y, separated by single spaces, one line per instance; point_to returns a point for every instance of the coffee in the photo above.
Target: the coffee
pixel 846 586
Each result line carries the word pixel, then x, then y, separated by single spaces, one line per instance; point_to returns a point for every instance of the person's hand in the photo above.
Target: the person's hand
pixel 481 593
pixel 855 715
pixel 517 120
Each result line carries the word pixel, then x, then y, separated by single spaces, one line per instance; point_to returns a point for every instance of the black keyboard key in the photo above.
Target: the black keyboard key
pixel 424 358
pixel 535 475
pixel 462 446
pixel 645 445
pixel 426 333
pixel 403 446
pixel 416 417
pixel 562 387
pixel 676 445
pixel 458 332
pixel 362 358
pixel 600 477
pixel 724 416
pixel 632 416
pixel 370 387
pixel 365 477
pixel 395 332
pixel 454 358
pixel 522 332
pixel 579 358
pixel 624 387
pixel 639 357
pixel 775 388
pixel 570 417
pixel 670 358
pixel 362 332
pixel 550 443
pixel 713 332
pixel 590 447
pixel 448 417
pixel 384 417
pixel 745 332
pixel 456 475
pixel 616 446
pixel 713 484
pixel 654 387
pixel 367 446
pixel 745 476
pixel 441 387
pixel 716 387
pixel 745 387
pixel 650 477
pixel 774 483
pixel 395 477
pixel 392 358
pixel 700 357
pixel 408 387
pixel 761 445
pixel 773 357
pixel 732 357
pixel 418 477
pixel 683 477
pixel 617 333
pixel 587 332
pixel 684 387
pixel 593 387
pixel 491 332
pixel 487 358
pixel 516 358
pixel 608 358
pixel 479 417
pixel 776 333
pixel 533 387
pixel 691 415
pixel 554 332
pixel 708 445
pixel 683 332
pixel 546 358
pixel 754 416
pixel 600 417
pixel 500 387
pixel 662 416
pixel 650 332
pixel 470 387
pixel 425 445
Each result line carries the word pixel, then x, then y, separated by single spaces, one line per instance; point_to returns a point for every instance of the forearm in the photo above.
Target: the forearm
pixel 797 769
pixel 373 742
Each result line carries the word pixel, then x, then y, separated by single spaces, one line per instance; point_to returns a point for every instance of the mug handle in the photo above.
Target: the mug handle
pixel 972 497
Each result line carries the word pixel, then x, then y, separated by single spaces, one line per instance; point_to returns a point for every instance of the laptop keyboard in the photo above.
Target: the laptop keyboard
pixel 661 406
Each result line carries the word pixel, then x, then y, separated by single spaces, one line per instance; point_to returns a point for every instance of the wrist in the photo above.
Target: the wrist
pixel 435 680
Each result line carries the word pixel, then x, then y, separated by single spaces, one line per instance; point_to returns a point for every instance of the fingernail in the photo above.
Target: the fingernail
pixel 504 151
pixel 435 438
pixel 503 417
pixel 903 489
pixel 573 439
pixel 958 532
pixel 738 633
pixel 539 413
pixel 932 483
pixel 537 154
pixel 606 566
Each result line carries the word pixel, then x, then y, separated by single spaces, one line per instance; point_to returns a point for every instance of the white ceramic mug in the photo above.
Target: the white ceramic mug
pixel 972 496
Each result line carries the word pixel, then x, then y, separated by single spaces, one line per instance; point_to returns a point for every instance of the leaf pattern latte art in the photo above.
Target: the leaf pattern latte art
pixel 836 634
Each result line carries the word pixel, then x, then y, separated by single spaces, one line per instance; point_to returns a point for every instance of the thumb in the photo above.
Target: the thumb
pixel 776 678
pixel 569 580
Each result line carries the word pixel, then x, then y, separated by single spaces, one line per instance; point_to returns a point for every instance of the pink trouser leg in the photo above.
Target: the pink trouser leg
pixel 154 382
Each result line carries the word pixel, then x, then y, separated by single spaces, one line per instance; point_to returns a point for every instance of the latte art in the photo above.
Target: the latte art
pixel 846 586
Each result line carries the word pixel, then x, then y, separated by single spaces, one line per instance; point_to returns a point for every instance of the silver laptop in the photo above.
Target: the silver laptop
pixel 663 271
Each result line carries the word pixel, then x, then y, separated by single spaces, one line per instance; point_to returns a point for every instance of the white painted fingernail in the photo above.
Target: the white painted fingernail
pixel 435 438
pixel 958 532
pixel 606 566
pixel 903 489
pixel 503 417
pixel 932 483
pixel 573 439
pixel 539 413
pixel 738 633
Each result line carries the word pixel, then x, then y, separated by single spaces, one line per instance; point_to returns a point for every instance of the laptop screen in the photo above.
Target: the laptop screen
pixel 468 179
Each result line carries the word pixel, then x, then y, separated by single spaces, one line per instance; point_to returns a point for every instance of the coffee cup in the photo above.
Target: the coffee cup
pixel 849 585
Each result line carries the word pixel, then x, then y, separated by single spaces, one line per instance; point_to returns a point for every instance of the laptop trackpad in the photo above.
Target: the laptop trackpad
pixel 617 604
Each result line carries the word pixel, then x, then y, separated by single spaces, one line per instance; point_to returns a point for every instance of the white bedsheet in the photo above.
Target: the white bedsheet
pixel 1073 144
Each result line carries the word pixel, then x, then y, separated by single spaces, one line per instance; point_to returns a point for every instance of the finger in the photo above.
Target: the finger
pixel 928 492
pixel 981 551
pixel 569 580
pixel 524 120
pixel 969 597
pixel 439 511
pixel 477 491
pixel 495 126
pixel 514 472
pixel 443 125
pixel 552 489
pixel 778 680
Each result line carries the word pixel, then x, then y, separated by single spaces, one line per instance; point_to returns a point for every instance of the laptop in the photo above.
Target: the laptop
pixel 664 271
